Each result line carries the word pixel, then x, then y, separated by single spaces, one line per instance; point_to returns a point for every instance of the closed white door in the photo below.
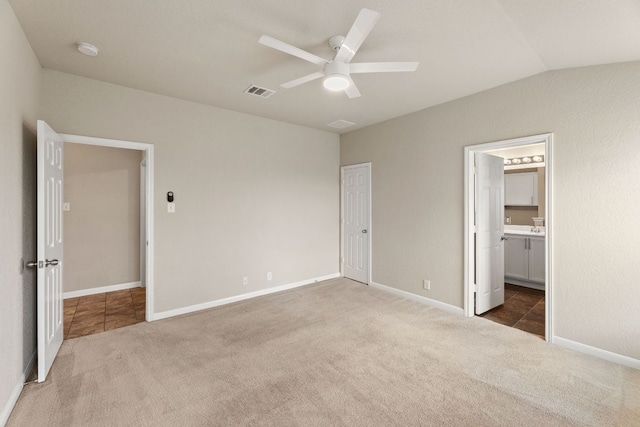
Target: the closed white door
pixel 355 218
pixel 50 256
pixel 489 203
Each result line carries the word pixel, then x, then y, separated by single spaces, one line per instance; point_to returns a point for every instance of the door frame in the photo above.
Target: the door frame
pixel 469 210
pixel 143 222
pixel 148 157
pixel 370 229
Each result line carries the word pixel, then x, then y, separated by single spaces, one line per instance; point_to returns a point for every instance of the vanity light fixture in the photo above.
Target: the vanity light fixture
pixel 524 160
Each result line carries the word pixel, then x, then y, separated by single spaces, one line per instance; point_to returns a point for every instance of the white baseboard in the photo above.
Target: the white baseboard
pixel 216 303
pixel 423 300
pixel 100 290
pixel 15 394
pixel 597 352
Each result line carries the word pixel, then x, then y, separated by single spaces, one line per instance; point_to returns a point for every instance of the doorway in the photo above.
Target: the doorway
pixel 355 222
pixel 146 213
pixel 103 250
pixel 537 244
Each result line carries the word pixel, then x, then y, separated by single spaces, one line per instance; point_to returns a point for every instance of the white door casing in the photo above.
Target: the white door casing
pixel 489 232
pixel 356 182
pixel 469 222
pixel 148 149
pixel 50 247
pixel 143 223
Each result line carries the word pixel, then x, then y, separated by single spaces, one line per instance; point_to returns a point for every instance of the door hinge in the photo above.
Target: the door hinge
pixel 474 288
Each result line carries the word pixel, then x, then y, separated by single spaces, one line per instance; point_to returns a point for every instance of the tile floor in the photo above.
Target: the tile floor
pixel 523 308
pixel 102 312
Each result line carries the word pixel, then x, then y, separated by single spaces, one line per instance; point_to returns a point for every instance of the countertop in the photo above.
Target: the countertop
pixel 524 230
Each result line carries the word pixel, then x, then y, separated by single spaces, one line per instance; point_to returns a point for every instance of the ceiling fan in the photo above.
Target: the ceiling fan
pixel 337 72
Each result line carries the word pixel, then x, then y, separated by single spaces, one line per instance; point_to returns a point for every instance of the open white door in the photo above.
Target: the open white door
pixel 50 259
pixel 489 203
pixel 355 218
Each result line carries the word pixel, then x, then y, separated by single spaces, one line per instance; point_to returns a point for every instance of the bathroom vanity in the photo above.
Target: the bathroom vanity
pixel 524 256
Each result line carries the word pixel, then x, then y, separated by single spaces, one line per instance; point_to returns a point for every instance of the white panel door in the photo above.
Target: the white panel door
pixel 489 232
pixel 50 259
pixel 355 198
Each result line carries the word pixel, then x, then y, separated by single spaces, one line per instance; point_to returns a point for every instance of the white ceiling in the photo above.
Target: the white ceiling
pixel 207 51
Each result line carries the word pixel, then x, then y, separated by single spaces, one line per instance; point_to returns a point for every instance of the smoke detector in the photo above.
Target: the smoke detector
pixel 87 49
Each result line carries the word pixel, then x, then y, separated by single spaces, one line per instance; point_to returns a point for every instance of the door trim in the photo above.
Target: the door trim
pixel 370 229
pixel 148 150
pixel 469 208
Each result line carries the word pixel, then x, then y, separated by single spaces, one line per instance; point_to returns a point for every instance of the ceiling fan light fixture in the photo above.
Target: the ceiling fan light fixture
pixel 336 82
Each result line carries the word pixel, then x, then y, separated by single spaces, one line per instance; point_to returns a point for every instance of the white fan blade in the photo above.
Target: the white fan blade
pixel 359 31
pixel 291 50
pixel 301 80
pixel 382 67
pixel 352 91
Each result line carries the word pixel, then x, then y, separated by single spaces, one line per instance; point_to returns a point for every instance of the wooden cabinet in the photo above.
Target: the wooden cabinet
pixel 524 258
pixel 516 260
pixel 536 259
pixel 521 189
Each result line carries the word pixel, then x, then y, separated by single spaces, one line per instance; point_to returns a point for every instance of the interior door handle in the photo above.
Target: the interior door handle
pixel 364 231
pixel 504 238
pixel 51 262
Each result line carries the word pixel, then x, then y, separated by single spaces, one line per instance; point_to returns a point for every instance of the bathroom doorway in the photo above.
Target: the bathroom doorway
pixel 525 236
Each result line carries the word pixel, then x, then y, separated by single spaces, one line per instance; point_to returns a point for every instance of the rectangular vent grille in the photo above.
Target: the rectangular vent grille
pixel 340 124
pixel 259 91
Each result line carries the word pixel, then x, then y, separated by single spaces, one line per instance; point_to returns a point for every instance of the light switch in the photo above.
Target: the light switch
pixel 66 207
pixel 171 207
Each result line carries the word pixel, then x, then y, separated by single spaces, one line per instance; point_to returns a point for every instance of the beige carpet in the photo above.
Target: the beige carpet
pixel 333 353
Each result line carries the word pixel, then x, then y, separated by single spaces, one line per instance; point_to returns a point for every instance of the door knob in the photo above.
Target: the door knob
pixel 504 238
pixel 364 231
pixel 32 264
pixel 51 262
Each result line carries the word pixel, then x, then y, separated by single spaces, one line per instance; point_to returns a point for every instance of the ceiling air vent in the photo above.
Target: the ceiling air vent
pixel 340 124
pixel 259 91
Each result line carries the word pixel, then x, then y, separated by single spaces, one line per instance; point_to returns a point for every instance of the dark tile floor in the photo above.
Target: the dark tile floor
pixel 102 312
pixel 523 308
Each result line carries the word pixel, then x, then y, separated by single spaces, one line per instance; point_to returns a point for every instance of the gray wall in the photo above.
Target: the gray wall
pixel 19 97
pixel 417 181
pixel 102 229
pixel 252 195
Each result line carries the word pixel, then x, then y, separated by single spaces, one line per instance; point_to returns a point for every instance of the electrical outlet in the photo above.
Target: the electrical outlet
pixel 269 276
pixel 245 280
pixel 426 284
pixel 508 220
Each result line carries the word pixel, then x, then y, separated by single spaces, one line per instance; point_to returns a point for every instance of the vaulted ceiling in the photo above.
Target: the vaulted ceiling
pixel 208 52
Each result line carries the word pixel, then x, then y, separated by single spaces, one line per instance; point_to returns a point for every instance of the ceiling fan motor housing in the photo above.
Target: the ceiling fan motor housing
pixel 337 67
pixel 336 42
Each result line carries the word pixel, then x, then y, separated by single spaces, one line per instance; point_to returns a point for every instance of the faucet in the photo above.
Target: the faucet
pixel 535 229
